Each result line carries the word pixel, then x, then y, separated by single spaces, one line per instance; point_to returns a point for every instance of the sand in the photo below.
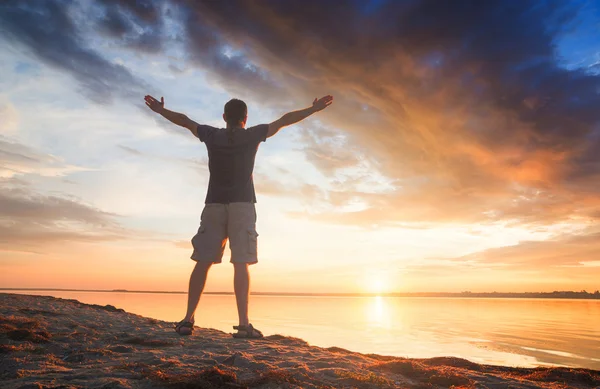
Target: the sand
pixel 47 342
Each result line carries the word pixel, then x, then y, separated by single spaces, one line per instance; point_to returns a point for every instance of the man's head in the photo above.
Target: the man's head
pixel 236 113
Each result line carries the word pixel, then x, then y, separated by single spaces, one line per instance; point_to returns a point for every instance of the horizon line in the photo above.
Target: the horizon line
pixel 595 294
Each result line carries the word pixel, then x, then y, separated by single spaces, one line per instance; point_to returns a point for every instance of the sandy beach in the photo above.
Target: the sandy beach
pixel 47 342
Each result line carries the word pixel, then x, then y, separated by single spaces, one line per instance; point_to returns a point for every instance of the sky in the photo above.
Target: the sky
pixel 462 152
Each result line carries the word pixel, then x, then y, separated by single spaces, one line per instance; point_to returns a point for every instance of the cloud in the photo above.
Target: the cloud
pixel 114 23
pixel 580 249
pixel 195 164
pixel 329 150
pixel 182 244
pixel 137 25
pixel 30 221
pixel 145 11
pixel 21 204
pixel 51 33
pixel 9 118
pixel 208 48
pixel 569 260
pixel 462 108
pixel 18 159
pixel 290 187
pixel 464 105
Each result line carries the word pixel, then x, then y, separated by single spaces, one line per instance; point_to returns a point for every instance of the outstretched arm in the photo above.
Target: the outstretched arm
pixel 174 117
pixel 296 116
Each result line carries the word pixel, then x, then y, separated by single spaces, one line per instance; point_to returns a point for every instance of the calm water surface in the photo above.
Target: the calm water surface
pixel 515 332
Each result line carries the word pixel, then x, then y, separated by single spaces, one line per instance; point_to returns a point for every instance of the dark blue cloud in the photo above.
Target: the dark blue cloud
pixel 47 30
pixel 579 47
pixel 115 23
pixel 138 25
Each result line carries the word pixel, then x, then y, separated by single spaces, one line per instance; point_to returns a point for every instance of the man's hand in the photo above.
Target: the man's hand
pixel 174 117
pixel 155 105
pixel 322 103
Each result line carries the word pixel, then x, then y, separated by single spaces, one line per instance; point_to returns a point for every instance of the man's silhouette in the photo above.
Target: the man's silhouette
pixel 229 211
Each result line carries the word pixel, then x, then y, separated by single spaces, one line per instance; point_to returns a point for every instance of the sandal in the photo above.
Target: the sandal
pixel 247 332
pixel 184 327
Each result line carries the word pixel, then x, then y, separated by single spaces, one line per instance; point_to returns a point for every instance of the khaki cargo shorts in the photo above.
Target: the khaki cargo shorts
pixel 219 222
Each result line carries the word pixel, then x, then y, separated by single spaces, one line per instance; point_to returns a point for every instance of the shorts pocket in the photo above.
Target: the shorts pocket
pixel 199 237
pixel 252 241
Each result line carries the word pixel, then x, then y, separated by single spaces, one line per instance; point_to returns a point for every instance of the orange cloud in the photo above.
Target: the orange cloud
pixel 462 132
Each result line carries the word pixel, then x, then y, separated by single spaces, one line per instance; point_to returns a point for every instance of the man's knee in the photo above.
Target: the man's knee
pixel 202 266
pixel 240 267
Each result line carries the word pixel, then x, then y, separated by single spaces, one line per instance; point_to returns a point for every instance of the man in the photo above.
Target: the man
pixel 229 211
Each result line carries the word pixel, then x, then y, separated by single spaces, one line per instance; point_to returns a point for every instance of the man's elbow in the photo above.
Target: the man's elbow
pixel 274 128
pixel 189 124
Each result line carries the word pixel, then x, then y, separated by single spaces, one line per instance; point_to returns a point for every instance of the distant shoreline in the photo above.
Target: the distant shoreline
pixel 583 295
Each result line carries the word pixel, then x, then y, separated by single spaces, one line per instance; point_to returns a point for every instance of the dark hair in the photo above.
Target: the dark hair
pixel 235 111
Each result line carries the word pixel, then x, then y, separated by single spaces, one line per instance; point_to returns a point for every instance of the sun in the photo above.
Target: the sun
pixel 376 283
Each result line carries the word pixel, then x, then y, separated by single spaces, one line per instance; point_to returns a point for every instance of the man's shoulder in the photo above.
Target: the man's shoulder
pixel 208 127
pixel 257 127
pixel 204 131
pixel 259 132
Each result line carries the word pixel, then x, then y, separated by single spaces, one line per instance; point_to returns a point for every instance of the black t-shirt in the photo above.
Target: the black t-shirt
pixel 231 158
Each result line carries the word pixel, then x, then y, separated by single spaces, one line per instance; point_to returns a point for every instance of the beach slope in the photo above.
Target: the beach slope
pixel 47 342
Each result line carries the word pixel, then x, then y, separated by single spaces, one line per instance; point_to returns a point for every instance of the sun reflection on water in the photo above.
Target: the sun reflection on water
pixel 378 313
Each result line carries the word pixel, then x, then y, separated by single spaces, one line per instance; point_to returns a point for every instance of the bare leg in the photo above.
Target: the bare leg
pixel 197 282
pixel 241 286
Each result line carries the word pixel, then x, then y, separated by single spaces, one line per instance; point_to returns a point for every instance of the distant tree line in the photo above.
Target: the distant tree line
pixel 565 294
